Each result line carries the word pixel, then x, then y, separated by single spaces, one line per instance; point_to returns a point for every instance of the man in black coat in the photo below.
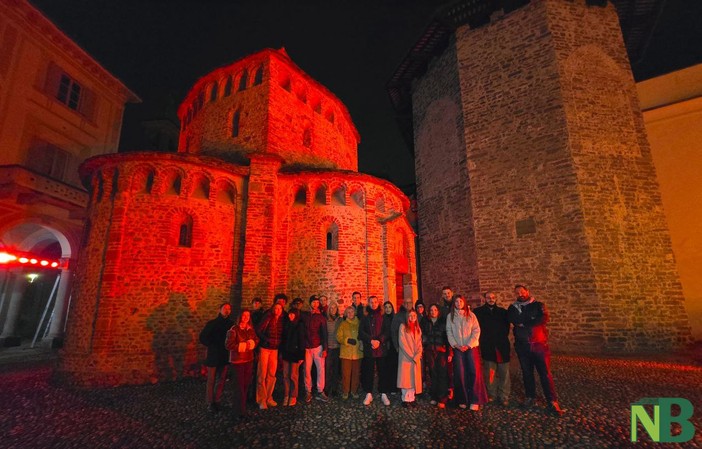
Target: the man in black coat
pixel 529 318
pixel 213 336
pixel 494 348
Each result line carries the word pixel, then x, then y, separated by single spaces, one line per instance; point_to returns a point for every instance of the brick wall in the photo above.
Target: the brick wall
pixel 446 234
pixel 141 296
pixel 561 191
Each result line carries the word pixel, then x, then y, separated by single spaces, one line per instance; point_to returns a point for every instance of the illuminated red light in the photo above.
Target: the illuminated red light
pixel 7 257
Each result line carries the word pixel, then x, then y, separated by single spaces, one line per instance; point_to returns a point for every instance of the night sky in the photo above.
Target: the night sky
pixel 160 48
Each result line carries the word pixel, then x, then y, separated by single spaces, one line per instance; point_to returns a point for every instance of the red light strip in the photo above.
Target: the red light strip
pixel 8 258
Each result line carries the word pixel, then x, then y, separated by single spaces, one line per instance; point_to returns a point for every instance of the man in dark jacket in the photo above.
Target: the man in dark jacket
pixel 529 318
pixel 494 348
pixel 213 336
pixel 315 348
pixel 374 337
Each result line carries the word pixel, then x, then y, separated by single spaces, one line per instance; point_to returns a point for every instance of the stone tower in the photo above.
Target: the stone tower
pixel 533 167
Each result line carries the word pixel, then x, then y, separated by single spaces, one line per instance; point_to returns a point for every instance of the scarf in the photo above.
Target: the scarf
pixel 519 304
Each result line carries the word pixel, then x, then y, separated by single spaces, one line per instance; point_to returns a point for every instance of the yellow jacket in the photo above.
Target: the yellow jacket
pixel 349 329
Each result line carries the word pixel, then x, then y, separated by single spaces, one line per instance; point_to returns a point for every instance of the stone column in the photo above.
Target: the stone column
pixel 55 337
pixel 259 254
pixel 15 293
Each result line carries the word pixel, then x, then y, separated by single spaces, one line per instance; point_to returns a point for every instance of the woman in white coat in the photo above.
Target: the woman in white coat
pixel 409 366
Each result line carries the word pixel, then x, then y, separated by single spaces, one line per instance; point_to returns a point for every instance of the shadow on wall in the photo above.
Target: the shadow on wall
pixel 172 327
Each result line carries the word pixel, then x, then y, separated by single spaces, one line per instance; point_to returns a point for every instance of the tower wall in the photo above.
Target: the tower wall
pixel 446 232
pixel 562 189
pixel 144 289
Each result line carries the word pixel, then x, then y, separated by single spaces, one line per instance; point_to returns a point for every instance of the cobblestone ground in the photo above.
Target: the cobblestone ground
pixel 596 392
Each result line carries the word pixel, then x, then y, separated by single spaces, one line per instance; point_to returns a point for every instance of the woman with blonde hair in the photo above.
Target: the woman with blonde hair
pixel 331 363
pixel 409 364
pixel 350 353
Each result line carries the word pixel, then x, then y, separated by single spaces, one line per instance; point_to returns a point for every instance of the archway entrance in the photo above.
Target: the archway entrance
pixel 34 297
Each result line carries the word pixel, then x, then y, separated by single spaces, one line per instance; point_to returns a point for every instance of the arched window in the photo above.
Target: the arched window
pixel 339 197
pixel 228 86
pixel 149 182
pixel 200 100
pixel 174 188
pixel 357 198
pixel 307 137
pixel 330 116
pixel 258 78
pixel 243 80
pixel 202 190
pixel 185 232
pixel 320 197
pixel 301 196
pixel 225 195
pixel 236 117
pixel 332 237
pixel 213 92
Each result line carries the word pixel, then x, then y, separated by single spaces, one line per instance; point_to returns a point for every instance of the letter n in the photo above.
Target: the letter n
pixel 652 426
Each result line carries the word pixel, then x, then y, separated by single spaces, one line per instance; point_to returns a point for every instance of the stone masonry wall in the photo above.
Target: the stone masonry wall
pixel 299 105
pixel 349 204
pixel 526 204
pixel 627 234
pixel 137 320
pixel 446 233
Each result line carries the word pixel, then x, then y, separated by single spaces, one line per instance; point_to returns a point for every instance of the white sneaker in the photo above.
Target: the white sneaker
pixel 474 407
pixel 368 399
pixel 384 398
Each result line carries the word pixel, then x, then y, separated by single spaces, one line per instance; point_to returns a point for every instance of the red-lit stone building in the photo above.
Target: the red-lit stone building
pixel 263 196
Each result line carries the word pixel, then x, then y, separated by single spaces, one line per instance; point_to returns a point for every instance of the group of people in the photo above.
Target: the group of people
pixel 448 349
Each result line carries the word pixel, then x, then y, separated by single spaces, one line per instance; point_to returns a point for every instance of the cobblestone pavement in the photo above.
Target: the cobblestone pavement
pixel 596 392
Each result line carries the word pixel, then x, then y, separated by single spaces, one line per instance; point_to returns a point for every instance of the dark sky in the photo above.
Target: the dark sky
pixel 159 48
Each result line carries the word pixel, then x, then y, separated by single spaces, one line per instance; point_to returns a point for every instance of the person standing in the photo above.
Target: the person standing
pixel 213 336
pixel 350 353
pixel 256 311
pixel 315 348
pixel 409 367
pixel 241 341
pixel 529 318
pixel 463 333
pixel 437 354
pixel 388 376
pixel 494 348
pixel 400 318
pixel 445 309
pixel 331 363
pixel 374 336
pixel 270 332
pixel 292 348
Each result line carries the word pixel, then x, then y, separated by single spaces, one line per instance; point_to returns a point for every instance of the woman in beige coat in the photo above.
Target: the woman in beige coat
pixel 409 366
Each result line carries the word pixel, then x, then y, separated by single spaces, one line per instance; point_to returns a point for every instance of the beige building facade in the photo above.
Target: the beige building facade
pixel 58 107
pixel 672 111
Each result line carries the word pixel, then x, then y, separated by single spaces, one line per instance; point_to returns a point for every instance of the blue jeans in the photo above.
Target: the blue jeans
pixel 463 376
